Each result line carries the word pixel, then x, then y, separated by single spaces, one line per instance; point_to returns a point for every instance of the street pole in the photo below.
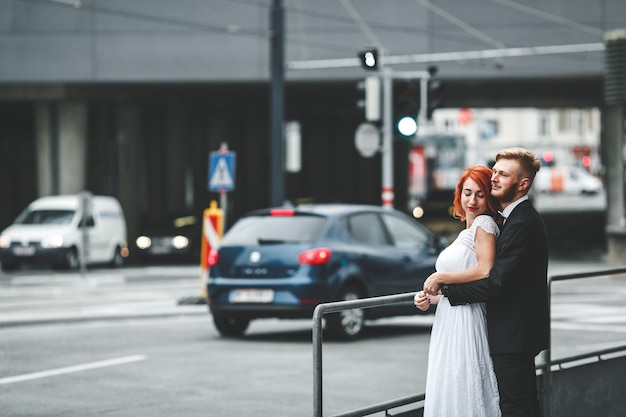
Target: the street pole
pixel 277 103
pixel 422 116
pixel 387 193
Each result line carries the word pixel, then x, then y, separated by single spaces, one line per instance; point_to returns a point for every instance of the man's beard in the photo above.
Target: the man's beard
pixel 506 194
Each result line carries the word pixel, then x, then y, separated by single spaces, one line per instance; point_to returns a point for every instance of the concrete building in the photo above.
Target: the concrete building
pixel 568 134
pixel 128 97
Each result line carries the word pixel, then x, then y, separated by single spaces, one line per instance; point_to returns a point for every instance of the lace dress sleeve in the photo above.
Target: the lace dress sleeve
pixel 488 224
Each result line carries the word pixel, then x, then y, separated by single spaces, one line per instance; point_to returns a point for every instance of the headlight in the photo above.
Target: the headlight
pixel 180 242
pixel 55 241
pixel 143 242
pixel 5 242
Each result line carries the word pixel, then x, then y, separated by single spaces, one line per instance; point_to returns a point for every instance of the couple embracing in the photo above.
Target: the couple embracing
pixel 492 317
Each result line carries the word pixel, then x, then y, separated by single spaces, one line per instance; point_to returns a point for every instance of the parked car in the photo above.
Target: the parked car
pixel 170 239
pixel 282 262
pixel 55 230
pixel 567 180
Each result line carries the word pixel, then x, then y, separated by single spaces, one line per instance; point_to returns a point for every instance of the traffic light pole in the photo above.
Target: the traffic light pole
pixel 422 118
pixel 387 193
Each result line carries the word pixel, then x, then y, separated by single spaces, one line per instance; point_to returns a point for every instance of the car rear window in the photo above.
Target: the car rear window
pixel 260 230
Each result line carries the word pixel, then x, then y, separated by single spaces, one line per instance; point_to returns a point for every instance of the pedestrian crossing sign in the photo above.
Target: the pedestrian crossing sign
pixel 221 171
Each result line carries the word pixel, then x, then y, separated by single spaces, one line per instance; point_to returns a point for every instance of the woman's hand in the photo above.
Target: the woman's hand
pixel 432 284
pixel 421 301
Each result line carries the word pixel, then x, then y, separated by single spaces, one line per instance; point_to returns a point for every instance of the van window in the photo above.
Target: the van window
pixel 87 221
pixel 46 217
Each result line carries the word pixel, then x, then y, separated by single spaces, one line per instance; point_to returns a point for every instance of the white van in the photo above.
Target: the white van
pixel 50 232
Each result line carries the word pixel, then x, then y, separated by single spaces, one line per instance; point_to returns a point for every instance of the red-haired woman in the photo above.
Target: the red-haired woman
pixel 460 379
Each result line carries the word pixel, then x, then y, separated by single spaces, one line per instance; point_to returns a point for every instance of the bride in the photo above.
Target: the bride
pixel 460 380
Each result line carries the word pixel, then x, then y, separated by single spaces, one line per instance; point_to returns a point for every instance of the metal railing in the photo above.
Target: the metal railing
pixel 545 368
pixel 318 315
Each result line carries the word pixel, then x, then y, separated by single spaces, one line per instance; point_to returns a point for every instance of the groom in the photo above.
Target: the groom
pixel 516 293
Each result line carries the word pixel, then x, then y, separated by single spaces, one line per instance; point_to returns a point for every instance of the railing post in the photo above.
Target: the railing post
pixel 317 360
pixel 318 315
pixel 547 357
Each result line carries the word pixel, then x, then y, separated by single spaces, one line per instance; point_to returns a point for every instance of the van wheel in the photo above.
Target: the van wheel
pixel 118 259
pixel 71 260
pixel 347 324
pixel 230 326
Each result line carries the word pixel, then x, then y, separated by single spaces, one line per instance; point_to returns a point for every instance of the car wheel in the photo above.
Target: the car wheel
pixel 71 261
pixel 230 326
pixel 347 324
pixel 9 266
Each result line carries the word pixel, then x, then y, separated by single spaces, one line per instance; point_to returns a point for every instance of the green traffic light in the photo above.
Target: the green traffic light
pixel 407 126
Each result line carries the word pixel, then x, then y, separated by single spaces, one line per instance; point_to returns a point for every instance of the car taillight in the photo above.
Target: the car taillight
pixel 211 258
pixel 282 212
pixel 317 256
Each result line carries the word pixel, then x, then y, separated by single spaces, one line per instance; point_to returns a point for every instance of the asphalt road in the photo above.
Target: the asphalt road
pixel 131 342
pixel 179 365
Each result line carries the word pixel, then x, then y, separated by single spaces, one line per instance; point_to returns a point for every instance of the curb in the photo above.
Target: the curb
pixel 187 306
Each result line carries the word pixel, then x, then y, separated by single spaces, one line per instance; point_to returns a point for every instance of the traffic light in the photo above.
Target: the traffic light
pixel 406 107
pixel 369 59
pixel 370 98
pixel 434 93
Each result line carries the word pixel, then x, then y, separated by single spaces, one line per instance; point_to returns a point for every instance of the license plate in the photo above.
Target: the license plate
pixel 24 250
pixel 251 295
pixel 160 250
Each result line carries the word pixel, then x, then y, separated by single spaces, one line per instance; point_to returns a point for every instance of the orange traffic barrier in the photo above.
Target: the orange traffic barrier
pixel 212 231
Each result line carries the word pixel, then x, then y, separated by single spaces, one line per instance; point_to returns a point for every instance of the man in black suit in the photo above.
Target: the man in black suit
pixel 516 292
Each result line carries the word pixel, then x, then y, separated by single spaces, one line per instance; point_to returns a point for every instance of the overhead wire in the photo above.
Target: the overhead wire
pixel 550 17
pixel 131 14
pixel 354 18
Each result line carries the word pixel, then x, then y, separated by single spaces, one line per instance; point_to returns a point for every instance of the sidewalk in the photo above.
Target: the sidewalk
pixel 32 298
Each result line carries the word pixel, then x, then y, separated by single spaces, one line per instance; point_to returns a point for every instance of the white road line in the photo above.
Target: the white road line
pixel 588 327
pixel 72 369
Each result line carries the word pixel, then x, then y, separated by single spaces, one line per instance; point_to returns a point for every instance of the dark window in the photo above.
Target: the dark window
pixel 366 227
pixel 257 230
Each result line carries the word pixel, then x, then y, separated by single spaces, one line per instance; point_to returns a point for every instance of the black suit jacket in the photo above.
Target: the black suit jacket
pixel 516 291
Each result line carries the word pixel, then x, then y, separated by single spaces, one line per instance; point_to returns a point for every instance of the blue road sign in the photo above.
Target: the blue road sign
pixel 221 171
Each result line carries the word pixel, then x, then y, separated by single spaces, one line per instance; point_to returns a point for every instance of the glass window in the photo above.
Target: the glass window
pixel 47 217
pixel 259 230
pixel 366 227
pixel 405 234
pixel 563 121
pixel 544 125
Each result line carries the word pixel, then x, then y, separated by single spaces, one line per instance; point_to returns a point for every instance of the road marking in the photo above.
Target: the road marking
pixel 588 327
pixel 72 369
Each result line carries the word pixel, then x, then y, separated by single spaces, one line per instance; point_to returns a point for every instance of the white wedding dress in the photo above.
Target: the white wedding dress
pixel 460 381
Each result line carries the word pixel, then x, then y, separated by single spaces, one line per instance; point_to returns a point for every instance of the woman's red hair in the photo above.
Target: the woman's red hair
pixel 481 175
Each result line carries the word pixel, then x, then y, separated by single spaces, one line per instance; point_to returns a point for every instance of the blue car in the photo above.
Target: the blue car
pixel 282 262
